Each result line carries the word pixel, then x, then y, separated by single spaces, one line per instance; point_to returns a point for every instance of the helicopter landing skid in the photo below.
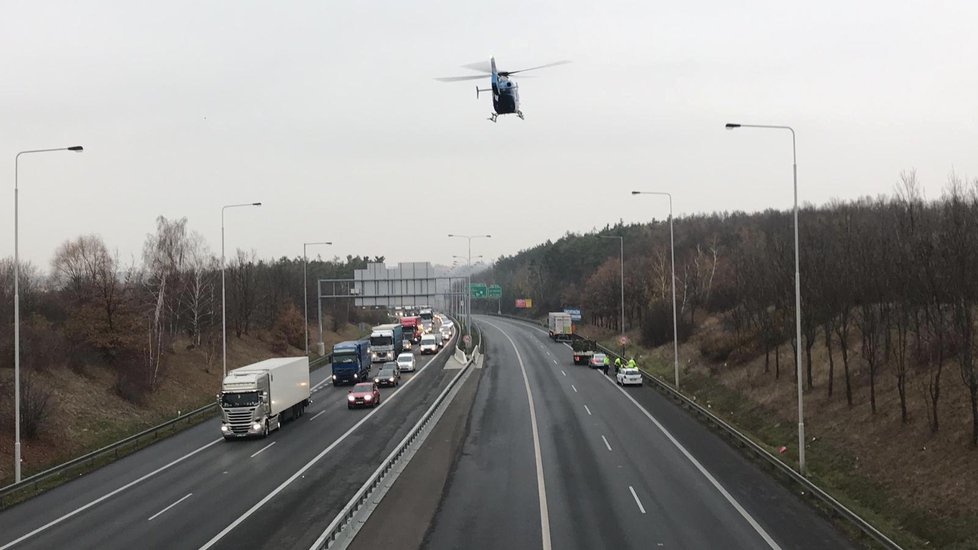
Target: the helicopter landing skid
pixel 520 114
pixel 492 117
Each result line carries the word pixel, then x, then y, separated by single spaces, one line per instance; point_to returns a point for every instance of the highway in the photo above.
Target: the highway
pixel 194 490
pixel 621 468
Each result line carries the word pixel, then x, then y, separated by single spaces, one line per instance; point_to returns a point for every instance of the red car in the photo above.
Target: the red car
pixel 364 394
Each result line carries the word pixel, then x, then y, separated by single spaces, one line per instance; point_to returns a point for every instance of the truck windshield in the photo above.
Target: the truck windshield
pixel 242 399
pixel 344 358
pixel 381 340
pixel 426 315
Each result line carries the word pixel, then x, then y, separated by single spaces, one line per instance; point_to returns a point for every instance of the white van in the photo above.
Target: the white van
pixel 429 344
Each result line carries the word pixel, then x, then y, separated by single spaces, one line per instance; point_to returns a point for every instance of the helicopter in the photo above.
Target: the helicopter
pixel 505 91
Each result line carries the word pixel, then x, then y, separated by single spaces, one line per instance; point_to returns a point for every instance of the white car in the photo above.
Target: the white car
pixel 405 362
pixel 627 376
pixel 429 344
pixel 446 335
pixel 406 344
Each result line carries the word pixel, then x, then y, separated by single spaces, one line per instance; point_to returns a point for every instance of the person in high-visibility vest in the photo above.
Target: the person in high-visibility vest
pixel 631 363
pixel 604 365
pixel 617 364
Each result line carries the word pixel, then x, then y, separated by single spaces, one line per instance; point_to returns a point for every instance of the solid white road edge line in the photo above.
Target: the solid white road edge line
pixel 541 485
pixel 108 496
pixel 157 514
pixel 262 449
pixel 606 444
pixel 637 501
pixel 733 502
pixel 312 462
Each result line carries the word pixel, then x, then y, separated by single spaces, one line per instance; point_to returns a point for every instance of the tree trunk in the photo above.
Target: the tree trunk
pixel 777 362
pixel 828 348
pixel 808 354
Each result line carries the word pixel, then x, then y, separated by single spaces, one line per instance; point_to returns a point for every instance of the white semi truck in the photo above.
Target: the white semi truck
pixel 256 398
pixel 560 326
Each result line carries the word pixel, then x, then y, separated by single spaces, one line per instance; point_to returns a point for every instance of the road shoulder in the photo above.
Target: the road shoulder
pixel 402 518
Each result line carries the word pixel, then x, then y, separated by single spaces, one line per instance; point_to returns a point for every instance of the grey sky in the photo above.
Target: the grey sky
pixel 328 113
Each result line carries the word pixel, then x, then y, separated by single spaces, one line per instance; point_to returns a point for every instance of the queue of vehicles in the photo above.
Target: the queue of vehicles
pixel 256 399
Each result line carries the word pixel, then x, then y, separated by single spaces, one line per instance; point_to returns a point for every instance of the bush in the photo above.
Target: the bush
pixel 718 347
pixel 656 327
pixel 289 329
pixel 35 405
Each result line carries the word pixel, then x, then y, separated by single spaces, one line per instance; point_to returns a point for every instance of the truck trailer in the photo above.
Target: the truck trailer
pixel 386 342
pixel 256 398
pixel 560 325
pixel 351 362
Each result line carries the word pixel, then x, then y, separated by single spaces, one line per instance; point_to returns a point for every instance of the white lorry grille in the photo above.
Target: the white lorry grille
pixel 240 420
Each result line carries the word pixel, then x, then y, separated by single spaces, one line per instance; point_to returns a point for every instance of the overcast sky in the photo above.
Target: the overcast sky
pixel 328 113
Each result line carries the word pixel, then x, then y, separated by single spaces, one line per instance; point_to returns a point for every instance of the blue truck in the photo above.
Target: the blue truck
pixel 351 362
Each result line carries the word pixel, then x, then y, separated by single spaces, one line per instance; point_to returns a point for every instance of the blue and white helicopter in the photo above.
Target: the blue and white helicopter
pixel 505 91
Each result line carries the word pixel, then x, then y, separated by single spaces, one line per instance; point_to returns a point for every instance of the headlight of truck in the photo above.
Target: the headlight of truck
pixel 256 426
pixel 334 377
pixel 377 380
pixel 354 376
pixel 224 428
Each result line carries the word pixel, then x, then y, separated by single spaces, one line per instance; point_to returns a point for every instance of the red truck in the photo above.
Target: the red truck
pixel 411 328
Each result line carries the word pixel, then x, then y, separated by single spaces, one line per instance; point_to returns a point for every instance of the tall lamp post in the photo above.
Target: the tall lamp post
pixel 468 290
pixel 224 324
pixel 469 272
pixel 621 243
pixel 801 410
pixel 305 294
pixel 76 148
pixel 672 248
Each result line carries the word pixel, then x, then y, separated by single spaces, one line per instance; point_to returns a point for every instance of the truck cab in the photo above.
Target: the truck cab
pixel 351 362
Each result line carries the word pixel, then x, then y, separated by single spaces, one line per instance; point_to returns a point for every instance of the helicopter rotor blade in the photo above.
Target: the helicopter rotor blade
pixel 507 73
pixel 481 66
pixel 460 78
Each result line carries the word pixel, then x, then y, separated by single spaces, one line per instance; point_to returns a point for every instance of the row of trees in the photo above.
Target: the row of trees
pixel 889 289
pixel 93 307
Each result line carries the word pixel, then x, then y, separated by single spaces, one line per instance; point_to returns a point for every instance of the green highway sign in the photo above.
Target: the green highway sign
pixel 495 291
pixel 478 290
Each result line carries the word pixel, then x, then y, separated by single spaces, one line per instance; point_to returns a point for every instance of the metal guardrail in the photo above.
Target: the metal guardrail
pixel 828 500
pixel 347 514
pixel 837 507
pixel 88 460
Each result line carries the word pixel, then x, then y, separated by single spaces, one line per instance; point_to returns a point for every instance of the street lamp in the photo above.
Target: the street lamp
pixel 621 243
pixel 305 298
pixel 469 273
pixel 801 411
pixel 79 149
pixel 468 290
pixel 224 325
pixel 672 247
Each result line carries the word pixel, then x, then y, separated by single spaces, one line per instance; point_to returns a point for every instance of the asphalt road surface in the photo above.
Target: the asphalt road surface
pixel 195 490
pixel 621 468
